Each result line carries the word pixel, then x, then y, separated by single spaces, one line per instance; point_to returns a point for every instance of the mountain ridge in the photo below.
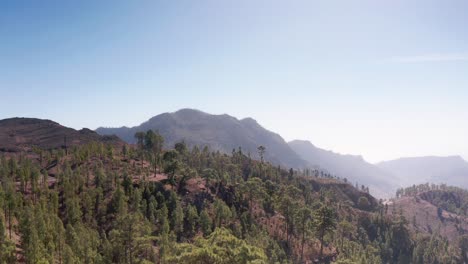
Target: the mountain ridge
pixel 452 170
pixel 219 132
pixel 24 133
pixel 352 167
pixel 224 132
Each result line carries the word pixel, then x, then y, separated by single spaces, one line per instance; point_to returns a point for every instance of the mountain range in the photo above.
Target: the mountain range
pixel 354 168
pixel 219 132
pixel 225 133
pixel 452 170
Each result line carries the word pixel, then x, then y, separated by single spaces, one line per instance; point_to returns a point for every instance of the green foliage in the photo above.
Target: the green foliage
pixel 213 208
pixel 205 222
pixel 363 203
pixel 434 249
pixel 223 213
pixel 219 247
pixel 191 220
pixel 324 221
pixel 131 239
pixel 7 247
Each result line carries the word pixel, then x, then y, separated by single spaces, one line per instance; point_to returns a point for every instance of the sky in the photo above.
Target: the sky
pixel 381 79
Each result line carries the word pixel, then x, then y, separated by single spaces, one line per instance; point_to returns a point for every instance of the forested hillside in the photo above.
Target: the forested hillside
pixel 437 216
pixel 224 133
pixel 98 203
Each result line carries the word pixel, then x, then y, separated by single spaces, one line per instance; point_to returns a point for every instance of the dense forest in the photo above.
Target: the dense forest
pixel 96 203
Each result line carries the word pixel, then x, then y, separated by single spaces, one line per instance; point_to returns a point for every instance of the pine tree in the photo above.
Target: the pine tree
pixel 191 220
pixel 205 222
pixel 178 220
pixel 304 218
pixel 324 221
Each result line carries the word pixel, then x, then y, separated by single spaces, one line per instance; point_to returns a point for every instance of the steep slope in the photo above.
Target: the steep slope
pixel 426 218
pixel 354 168
pixel 21 134
pixel 452 170
pixel 219 132
pixel 441 211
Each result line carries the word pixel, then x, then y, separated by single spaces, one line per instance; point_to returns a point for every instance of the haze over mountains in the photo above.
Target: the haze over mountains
pixel 408 171
pixel 224 133
pixel 354 168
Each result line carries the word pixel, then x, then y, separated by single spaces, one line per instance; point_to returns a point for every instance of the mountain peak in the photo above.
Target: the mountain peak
pixel 190 111
pixel 195 113
pixel 220 132
pixel 301 142
pixel 250 121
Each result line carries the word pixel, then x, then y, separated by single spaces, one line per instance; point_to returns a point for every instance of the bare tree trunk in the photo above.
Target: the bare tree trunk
pixel 60 252
pixel 302 246
pixel 321 243
pixel 9 221
pixel 342 240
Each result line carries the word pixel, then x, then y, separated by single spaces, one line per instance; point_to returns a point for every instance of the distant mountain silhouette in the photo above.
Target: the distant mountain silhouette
pixel 21 134
pixel 219 132
pixel 452 170
pixel 354 168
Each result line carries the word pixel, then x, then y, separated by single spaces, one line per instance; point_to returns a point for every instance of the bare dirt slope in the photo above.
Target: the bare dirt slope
pixel 426 218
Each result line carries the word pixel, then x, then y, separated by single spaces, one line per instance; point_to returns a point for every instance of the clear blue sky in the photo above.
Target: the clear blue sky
pixel 383 79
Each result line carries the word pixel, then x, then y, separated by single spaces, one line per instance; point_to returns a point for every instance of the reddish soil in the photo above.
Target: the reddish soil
pixel 423 217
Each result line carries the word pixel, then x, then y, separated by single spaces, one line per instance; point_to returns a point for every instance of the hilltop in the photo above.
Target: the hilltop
pixel 22 134
pixel 219 132
pixel 433 210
